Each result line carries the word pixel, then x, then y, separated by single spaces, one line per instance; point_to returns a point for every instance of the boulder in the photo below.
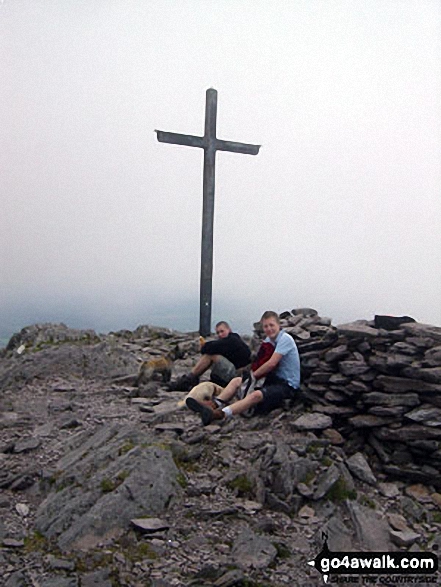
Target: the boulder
pixel 251 551
pixel 98 492
pixel 360 468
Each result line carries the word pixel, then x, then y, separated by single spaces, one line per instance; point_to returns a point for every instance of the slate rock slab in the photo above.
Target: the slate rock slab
pixel 359 328
pixel 372 530
pixel 359 467
pixel 253 551
pixel 326 481
pixel 113 477
pixel 150 525
pixel 313 421
pixel 97 361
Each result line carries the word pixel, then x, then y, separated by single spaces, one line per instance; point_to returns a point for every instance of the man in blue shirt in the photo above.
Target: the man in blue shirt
pixel 281 372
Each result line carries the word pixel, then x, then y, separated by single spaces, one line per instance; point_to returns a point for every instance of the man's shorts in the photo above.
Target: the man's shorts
pixel 274 393
pixel 223 371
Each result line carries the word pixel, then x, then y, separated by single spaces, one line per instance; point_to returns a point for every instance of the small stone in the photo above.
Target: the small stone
pixel 170 427
pixel 304 490
pixel 230 579
pixel 360 328
pixel 26 445
pixel 418 492
pixel 249 506
pixel 12 543
pixel 388 489
pixel 404 538
pixel 306 512
pixel 436 498
pixel 150 525
pixel 22 509
pixel 60 564
pixel 398 522
pixel 326 481
pixel 359 467
pixel 313 421
pixel 334 437
pixel 253 551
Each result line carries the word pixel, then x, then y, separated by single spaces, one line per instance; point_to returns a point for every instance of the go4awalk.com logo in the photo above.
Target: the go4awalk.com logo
pixel 376 563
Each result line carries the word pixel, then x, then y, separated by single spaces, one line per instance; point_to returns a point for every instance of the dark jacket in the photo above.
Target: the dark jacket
pixel 231 347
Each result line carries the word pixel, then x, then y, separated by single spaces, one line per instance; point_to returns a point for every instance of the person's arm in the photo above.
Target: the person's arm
pixel 269 366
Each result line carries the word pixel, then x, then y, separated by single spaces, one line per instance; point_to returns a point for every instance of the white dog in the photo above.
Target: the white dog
pixel 202 392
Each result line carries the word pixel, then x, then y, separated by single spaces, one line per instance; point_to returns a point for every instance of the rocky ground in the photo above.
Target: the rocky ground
pixel 105 481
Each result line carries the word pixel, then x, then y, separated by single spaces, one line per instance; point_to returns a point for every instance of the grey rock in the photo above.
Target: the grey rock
pixel 431 375
pixel 59 581
pixel 95 504
pixel 12 543
pixel 412 508
pixel 326 481
pixel 17 579
pixel 404 384
pixel 359 328
pixel 371 529
pixel 389 489
pixel 404 348
pixel 339 537
pixel 404 537
pixel 150 525
pixel 99 578
pixel 369 421
pixel 26 445
pixel 359 467
pixel 357 387
pixel 97 361
pixel 432 357
pixel 392 400
pixel 60 564
pixel 353 368
pixel 251 551
pixel 388 411
pixel 337 353
pixel 405 433
pixel 429 415
pixel 425 330
pixel 230 579
pixel 312 421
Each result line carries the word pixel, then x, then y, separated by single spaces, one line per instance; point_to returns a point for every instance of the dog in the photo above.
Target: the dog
pixel 157 369
pixel 204 391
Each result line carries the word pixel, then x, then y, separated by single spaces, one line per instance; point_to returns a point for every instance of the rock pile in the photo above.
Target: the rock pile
pixel 378 384
pixel 105 481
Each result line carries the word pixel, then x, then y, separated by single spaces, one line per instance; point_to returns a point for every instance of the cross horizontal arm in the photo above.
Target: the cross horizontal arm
pixel 179 139
pixel 237 147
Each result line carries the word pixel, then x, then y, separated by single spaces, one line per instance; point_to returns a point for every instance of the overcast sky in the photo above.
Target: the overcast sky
pixel 340 210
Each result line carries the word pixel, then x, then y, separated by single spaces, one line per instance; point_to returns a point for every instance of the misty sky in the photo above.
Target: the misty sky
pixel 100 223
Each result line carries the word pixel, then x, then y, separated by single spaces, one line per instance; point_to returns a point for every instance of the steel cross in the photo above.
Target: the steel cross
pixel 210 144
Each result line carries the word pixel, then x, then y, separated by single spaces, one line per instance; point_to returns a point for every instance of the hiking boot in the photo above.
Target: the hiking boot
pixel 206 412
pixel 184 383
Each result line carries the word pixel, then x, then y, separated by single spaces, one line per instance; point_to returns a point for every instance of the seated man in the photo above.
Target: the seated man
pixel 224 356
pixel 282 379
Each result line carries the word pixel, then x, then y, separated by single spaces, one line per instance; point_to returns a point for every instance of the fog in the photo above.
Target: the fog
pixel 340 210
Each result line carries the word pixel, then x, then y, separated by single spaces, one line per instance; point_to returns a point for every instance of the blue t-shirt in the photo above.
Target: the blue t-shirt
pixel 288 367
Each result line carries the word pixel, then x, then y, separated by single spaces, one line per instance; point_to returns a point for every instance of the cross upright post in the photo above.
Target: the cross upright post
pixel 210 144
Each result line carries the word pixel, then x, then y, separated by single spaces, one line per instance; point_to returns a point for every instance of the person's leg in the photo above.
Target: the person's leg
pixel 230 390
pixel 208 414
pixel 222 371
pixel 203 364
pixel 252 399
pixel 273 396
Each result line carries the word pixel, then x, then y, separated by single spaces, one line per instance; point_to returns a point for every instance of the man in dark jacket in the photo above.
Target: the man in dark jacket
pixel 224 356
